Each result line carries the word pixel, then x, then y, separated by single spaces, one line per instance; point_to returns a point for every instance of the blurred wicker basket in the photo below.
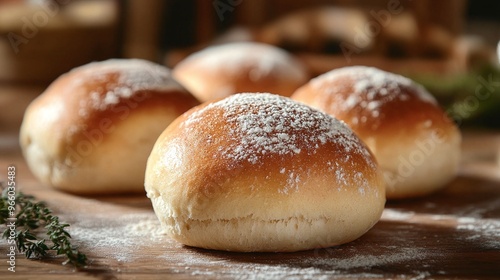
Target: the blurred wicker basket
pixel 40 42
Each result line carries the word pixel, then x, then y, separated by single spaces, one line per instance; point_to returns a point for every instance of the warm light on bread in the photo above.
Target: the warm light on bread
pixel 415 143
pixel 222 70
pixel 93 128
pixel 260 172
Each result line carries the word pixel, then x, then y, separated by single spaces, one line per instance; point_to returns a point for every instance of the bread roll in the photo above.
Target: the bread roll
pixel 260 172
pixel 415 143
pixel 93 128
pixel 220 71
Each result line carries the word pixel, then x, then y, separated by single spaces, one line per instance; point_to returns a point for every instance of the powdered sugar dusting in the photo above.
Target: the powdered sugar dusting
pixel 196 265
pixel 132 76
pixel 292 182
pixel 266 124
pixel 372 88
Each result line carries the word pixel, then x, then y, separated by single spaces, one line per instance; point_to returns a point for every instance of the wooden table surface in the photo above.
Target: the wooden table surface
pixel 454 234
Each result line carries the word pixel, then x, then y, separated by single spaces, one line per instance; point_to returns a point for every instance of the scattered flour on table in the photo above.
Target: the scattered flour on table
pixel 358 266
pixel 120 238
pixel 487 230
pixel 395 215
pixel 471 227
pixel 398 255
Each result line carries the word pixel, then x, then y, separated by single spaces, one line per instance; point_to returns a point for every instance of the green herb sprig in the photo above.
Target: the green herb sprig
pixel 31 216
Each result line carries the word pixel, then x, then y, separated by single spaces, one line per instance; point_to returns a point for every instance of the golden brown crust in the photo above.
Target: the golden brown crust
pixel 214 165
pixel 95 105
pixel 257 160
pixel 393 116
pixel 220 71
pixel 403 107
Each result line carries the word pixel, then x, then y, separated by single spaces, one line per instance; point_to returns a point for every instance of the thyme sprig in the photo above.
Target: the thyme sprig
pixel 31 217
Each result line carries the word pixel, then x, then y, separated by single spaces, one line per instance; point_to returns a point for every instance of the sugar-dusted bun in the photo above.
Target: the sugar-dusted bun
pixel 93 128
pixel 415 143
pixel 222 70
pixel 260 172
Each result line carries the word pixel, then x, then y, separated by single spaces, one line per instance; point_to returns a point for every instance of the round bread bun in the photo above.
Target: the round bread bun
pixel 416 145
pixel 93 128
pixel 222 70
pixel 261 172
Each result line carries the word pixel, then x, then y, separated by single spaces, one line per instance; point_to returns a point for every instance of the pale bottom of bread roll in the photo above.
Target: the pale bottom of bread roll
pixel 251 234
pixel 417 166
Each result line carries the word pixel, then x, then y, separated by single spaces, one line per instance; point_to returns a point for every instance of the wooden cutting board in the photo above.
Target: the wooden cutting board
pixel 452 234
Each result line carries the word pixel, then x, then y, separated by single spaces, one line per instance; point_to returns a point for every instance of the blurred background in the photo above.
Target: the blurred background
pixel 450 46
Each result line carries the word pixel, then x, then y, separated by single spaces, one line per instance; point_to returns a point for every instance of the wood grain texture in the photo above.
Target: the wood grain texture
pixel 453 234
